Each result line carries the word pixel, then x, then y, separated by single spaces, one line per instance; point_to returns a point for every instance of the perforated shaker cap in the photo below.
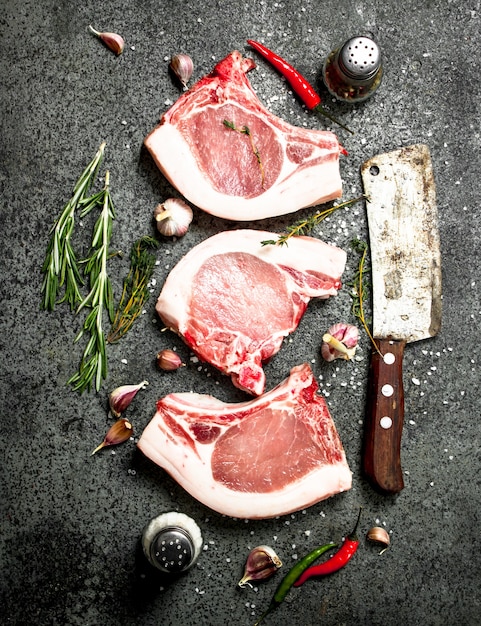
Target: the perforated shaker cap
pixel 360 58
pixel 173 550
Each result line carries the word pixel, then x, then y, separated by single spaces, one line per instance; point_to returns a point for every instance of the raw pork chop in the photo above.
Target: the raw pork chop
pixel 270 456
pixel 261 168
pixel 233 300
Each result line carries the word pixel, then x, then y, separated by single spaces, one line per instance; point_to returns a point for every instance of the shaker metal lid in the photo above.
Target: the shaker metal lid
pixel 173 550
pixel 360 58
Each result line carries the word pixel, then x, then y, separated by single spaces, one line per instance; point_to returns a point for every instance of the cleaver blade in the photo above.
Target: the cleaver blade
pixel 406 289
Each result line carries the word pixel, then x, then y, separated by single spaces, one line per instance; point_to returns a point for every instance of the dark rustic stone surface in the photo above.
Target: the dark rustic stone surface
pixel 71 523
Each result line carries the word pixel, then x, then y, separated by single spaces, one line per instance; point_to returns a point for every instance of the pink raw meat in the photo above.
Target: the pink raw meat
pixel 275 169
pixel 233 300
pixel 269 456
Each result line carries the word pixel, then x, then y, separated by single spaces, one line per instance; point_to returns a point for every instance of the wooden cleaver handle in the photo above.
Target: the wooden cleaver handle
pixel 384 419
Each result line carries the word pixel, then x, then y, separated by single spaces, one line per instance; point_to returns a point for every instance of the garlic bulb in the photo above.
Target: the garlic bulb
pixel 169 360
pixel 261 563
pixel 173 217
pixel 113 41
pixel 377 534
pixel 182 66
pixel 340 342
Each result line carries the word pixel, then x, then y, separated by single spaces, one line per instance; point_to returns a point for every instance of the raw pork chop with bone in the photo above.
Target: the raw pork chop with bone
pixel 233 300
pixel 269 456
pixel 227 154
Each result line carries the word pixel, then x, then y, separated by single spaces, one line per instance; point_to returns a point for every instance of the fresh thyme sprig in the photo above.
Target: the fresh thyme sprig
pixel 244 130
pixel 135 290
pixel 305 226
pixel 60 266
pixel 100 298
pixel 361 288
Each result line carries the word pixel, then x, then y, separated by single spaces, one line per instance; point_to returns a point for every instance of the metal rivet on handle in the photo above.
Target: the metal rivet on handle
pixel 385 422
pixel 389 358
pixel 387 390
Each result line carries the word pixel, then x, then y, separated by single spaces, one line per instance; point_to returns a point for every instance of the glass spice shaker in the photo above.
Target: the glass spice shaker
pixel 172 542
pixel 353 72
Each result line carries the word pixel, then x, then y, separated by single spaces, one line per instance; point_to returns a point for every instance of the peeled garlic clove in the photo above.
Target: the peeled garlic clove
pixel 120 398
pixel 169 360
pixel 118 433
pixel 113 41
pixel 261 563
pixel 340 342
pixel 379 535
pixel 182 66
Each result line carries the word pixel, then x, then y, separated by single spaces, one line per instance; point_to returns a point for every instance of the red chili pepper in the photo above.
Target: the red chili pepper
pixel 338 560
pixel 300 85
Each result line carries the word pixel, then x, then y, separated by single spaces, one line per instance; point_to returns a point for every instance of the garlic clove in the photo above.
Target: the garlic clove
pixel 120 398
pixel 169 360
pixel 113 41
pixel 173 217
pixel 340 342
pixel 261 563
pixel 379 535
pixel 182 66
pixel 117 433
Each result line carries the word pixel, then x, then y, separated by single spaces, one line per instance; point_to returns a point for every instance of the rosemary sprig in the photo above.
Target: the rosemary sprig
pixel 305 226
pixel 361 288
pixel 94 360
pixel 135 290
pixel 60 266
pixel 244 130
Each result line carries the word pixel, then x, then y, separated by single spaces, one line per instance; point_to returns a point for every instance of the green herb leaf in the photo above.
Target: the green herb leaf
pixel 305 226
pixel 60 267
pixel 135 290
pixel 361 288
pixel 93 365
pixel 244 130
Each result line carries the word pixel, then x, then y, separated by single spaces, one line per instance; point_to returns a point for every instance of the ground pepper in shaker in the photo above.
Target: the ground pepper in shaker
pixel 172 542
pixel 353 72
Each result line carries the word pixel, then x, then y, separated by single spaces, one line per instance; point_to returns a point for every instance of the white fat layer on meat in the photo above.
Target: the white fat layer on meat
pixel 192 468
pixel 313 185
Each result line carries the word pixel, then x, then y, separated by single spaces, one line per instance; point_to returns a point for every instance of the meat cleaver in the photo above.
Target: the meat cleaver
pixel 406 286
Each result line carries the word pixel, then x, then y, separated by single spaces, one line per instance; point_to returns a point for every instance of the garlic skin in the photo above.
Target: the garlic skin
pixel 120 398
pixel 168 360
pixel 261 563
pixel 340 342
pixel 182 66
pixel 113 41
pixel 118 433
pixel 379 535
pixel 173 217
